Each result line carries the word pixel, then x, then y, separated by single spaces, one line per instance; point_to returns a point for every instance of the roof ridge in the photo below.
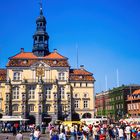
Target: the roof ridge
pixel 51 53
pixel 17 56
pixel 87 72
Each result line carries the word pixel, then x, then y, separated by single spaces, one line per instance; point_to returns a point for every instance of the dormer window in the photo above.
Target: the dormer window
pixel 80 77
pixel 54 62
pixel 25 61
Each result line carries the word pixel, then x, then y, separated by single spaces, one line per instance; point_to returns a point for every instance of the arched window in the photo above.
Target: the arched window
pixel 48 107
pixel 41 24
pixel 15 107
pixel 31 107
pixel 40 38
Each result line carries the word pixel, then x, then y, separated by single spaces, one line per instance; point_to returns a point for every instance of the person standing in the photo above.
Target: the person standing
pixel 14 131
pixel 19 136
pixel 62 136
pixel 36 134
pixel 128 132
pixel 121 133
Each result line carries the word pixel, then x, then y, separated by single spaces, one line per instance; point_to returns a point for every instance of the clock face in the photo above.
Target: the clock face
pixel 40 72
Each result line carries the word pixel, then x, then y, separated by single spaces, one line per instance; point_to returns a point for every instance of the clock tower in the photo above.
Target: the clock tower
pixel 41 37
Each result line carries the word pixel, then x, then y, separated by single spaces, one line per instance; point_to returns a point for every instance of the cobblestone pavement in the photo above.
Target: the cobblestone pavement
pixel 25 136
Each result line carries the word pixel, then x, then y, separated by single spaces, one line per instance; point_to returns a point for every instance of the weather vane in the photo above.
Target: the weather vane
pixel 40 4
pixel 41 7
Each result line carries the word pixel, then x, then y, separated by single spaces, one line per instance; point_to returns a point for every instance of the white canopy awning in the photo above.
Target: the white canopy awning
pixel 12 118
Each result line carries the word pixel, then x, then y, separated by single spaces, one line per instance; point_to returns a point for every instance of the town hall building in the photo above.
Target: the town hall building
pixel 40 85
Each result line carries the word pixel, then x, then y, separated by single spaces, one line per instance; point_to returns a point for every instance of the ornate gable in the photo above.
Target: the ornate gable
pixel 40 64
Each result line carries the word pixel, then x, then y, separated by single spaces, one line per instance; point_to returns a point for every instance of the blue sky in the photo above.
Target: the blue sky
pixel 107 33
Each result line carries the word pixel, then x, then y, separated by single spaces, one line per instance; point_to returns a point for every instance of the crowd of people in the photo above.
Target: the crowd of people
pixel 120 131
pixel 82 131
pixel 13 127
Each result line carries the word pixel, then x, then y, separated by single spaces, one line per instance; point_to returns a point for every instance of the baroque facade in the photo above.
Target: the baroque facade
pixel 40 85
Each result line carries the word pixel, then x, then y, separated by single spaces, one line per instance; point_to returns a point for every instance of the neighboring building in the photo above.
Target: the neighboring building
pixel 41 86
pixel 114 102
pixel 2 89
pixel 102 104
pixel 133 104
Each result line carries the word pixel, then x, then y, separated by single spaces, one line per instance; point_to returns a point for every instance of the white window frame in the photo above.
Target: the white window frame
pixel 85 103
pixel 32 93
pixel 76 104
pixel 15 93
pixel 48 93
pixel 17 75
pixel 62 92
pixel 61 76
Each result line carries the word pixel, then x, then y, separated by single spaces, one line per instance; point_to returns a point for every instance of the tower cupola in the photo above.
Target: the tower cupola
pixel 41 37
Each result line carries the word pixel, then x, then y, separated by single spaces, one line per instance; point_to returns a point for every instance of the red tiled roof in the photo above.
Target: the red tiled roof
pixel 80 75
pixel 29 62
pixel 2 74
pixel 79 72
pixel 26 59
pixel 30 55
pixel 54 55
pixel 136 91
pixel 24 55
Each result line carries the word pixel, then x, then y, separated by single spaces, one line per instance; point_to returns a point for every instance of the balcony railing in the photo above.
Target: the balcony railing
pixel 39 80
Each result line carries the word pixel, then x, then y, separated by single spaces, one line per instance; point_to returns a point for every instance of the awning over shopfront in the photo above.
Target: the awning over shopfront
pixel 12 118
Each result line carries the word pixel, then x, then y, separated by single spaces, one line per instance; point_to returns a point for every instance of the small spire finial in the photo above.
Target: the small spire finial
pixel 41 11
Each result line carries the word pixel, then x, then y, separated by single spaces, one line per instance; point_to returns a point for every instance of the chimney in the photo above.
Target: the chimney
pixel 55 50
pixel 22 50
pixel 82 67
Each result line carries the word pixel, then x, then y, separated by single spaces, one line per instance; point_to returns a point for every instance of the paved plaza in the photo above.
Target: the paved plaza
pixel 25 136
